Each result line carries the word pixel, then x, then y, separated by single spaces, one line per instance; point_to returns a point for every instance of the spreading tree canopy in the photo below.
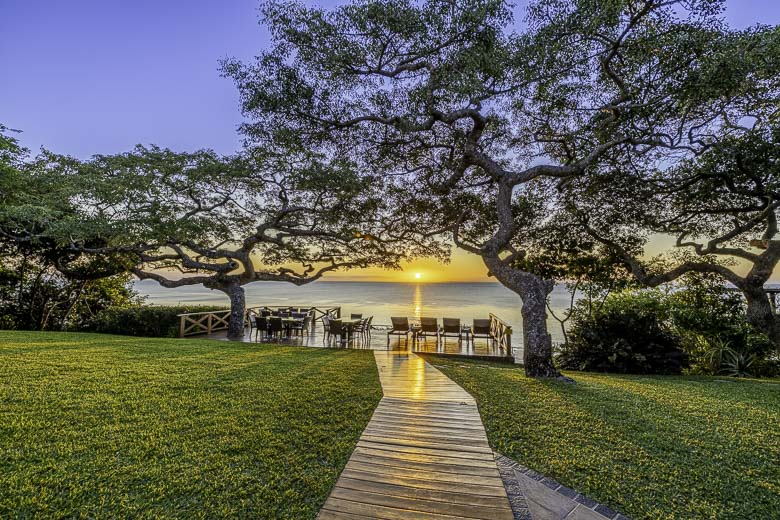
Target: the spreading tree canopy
pixel 200 218
pixel 484 118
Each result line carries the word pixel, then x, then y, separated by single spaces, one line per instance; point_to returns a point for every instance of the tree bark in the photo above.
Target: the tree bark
pixel 537 355
pixel 760 315
pixel 237 313
pixel 533 291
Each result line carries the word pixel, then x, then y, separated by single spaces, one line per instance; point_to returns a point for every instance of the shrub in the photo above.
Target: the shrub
pixel 707 320
pixel 627 336
pixel 149 321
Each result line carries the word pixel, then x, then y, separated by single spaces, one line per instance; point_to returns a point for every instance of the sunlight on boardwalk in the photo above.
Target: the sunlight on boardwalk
pixel 424 454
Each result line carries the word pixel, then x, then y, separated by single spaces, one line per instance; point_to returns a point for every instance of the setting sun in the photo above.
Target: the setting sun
pixel 417 275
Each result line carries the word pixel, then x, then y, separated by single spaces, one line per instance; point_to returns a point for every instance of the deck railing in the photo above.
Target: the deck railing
pixel 198 323
pixel 333 312
pixel 502 334
pixel 193 323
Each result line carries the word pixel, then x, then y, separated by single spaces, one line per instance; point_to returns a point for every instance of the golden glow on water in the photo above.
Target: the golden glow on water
pixel 417 302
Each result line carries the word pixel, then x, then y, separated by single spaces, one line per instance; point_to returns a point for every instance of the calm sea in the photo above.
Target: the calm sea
pixel 382 300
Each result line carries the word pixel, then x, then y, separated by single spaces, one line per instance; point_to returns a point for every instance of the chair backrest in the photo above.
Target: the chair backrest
pixel 368 322
pixel 284 314
pixel 481 327
pixel 262 323
pixel 265 312
pixel 336 327
pixel 400 324
pixel 451 325
pixel 355 316
pixel 274 324
pixel 429 324
pixel 252 320
pixel 298 315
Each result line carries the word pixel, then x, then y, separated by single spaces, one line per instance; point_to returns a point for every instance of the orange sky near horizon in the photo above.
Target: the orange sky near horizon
pixel 467 267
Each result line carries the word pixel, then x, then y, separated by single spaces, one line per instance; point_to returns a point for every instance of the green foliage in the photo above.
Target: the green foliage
pixel 703 318
pixel 100 426
pixel 626 335
pixel 35 296
pixel 144 320
pixel 676 448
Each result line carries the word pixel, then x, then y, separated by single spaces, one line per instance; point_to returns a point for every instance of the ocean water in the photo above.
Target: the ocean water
pixel 382 300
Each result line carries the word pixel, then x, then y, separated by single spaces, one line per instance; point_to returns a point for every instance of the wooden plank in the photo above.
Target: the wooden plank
pixel 455 496
pixel 425 506
pixel 443 467
pixel 442 458
pixel 438 476
pixel 440 485
pixel 375 511
pixel 433 444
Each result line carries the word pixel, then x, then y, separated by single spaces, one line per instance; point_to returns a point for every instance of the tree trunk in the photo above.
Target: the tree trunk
pixel 237 312
pixel 760 315
pixel 537 355
pixel 533 291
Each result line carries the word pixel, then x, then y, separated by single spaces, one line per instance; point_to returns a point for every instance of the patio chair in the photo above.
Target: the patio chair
pixel 275 327
pixel 400 328
pixel 481 329
pixel 429 327
pixel 261 328
pixel 367 330
pixel 300 324
pixel 337 328
pixel 326 328
pixel 250 316
pixel 451 328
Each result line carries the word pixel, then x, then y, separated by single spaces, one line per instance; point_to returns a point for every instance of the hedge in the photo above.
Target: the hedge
pixel 148 321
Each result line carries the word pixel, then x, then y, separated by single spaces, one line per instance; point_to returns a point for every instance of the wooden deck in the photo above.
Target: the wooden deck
pixel 378 341
pixel 424 454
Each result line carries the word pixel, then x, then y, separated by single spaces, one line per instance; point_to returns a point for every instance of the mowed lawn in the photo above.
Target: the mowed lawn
pixel 99 426
pixel 649 446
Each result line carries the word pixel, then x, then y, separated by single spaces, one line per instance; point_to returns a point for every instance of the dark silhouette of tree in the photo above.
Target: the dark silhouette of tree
pixel 479 119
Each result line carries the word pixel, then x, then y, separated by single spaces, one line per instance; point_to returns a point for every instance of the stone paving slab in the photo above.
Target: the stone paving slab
pixel 536 497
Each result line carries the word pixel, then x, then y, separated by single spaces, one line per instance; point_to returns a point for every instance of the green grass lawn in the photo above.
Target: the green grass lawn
pixel 649 446
pixel 99 426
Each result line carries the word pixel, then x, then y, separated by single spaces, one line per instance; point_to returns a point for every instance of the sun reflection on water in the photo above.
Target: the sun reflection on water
pixel 418 303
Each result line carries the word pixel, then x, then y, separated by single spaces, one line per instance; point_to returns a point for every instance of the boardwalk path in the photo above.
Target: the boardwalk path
pixel 424 454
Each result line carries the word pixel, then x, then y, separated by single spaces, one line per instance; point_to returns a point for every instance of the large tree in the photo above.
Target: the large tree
pixel 718 196
pixel 199 218
pixel 479 117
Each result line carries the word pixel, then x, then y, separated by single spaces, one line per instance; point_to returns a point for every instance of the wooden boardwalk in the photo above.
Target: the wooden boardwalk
pixel 424 454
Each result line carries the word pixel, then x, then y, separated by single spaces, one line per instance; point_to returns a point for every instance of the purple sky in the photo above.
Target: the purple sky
pixel 98 76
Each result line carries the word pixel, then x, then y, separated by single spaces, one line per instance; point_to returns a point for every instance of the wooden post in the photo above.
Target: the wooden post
pixel 208 326
pixel 182 322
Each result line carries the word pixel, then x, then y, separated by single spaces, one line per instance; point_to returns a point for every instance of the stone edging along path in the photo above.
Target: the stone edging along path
pixel 424 454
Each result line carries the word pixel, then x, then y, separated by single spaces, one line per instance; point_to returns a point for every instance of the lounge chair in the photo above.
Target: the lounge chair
pixel 451 328
pixel 481 329
pixel 429 327
pixel 400 328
